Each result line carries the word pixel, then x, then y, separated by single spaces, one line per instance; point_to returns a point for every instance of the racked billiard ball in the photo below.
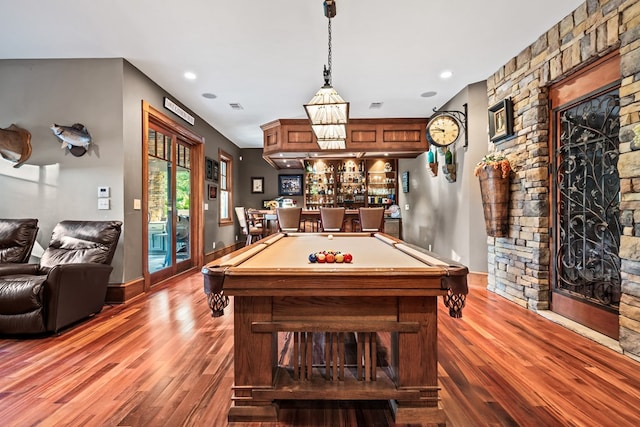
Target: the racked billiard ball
pixel 339 257
pixel 331 257
pixel 321 257
pixel 348 257
pixel 312 258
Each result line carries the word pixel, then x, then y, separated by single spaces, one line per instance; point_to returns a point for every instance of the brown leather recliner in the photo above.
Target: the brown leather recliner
pixel 68 285
pixel 17 237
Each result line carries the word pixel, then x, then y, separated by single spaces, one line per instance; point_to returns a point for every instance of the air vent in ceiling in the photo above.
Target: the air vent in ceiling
pixel 375 105
pixel 236 106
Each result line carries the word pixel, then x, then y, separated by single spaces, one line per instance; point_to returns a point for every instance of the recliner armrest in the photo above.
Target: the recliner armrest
pixel 75 291
pixel 10 269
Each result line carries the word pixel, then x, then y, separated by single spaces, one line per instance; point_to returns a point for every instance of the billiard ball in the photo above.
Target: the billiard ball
pixel 312 258
pixel 331 257
pixel 321 257
pixel 339 257
pixel 330 237
pixel 348 257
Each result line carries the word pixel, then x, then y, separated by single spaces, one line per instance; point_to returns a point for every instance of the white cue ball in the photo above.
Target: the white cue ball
pixel 330 236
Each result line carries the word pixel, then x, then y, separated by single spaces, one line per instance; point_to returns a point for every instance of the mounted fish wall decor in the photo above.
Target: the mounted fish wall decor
pixel 15 144
pixel 76 138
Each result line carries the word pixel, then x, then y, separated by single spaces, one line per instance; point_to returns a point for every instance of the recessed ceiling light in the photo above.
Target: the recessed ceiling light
pixel 189 75
pixel 236 106
pixel 209 95
pixel 429 94
pixel 375 105
pixel 446 74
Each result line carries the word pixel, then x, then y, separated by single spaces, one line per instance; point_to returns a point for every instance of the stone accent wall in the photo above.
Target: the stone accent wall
pixel 519 264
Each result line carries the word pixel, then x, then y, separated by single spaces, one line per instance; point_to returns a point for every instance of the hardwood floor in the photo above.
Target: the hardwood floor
pixel 162 360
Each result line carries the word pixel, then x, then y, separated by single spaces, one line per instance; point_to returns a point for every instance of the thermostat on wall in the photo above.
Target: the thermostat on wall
pixel 103 191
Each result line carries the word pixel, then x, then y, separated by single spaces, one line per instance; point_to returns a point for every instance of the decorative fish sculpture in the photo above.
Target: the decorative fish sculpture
pixel 15 144
pixel 76 135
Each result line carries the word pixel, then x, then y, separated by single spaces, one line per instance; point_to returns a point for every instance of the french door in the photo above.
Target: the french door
pixel 171 193
pixel 586 279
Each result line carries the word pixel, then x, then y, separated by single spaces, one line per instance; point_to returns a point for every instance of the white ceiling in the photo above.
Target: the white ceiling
pixel 268 56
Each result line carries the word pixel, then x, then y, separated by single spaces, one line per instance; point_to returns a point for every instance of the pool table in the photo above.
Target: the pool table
pixel 330 317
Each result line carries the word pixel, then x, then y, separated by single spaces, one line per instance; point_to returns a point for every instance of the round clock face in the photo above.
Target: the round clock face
pixel 443 130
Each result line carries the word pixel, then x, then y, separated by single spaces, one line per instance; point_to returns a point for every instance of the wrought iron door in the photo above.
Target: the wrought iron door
pixel 587 227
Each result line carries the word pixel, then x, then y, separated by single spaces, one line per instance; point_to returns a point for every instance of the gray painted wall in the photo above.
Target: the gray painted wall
pixel 106 96
pixel 253 164
pixel 55 185
pixel 448 216
pixel 137 87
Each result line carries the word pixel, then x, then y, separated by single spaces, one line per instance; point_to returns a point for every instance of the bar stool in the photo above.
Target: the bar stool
pixel 289 219
pixel 332 219
pixel 371 219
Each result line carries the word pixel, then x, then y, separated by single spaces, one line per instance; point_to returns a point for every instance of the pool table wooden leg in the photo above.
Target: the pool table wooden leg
pixel 254 356
pixel 416 361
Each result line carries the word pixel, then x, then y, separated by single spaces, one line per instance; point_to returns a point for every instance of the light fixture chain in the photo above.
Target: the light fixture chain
pixel 329 65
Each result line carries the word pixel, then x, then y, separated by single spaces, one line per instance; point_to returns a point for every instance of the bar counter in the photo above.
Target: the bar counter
pixel 310 221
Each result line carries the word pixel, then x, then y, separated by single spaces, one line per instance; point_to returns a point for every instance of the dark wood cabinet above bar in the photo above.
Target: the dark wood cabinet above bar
pixel 291 140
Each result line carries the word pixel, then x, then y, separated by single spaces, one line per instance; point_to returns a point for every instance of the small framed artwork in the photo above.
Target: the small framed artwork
pixel 257 185
pixel 208 169
pixel 405 182
pixel 289 185
pixel 501 120
pixel 213 192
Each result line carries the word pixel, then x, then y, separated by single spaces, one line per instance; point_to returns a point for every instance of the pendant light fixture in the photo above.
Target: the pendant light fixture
pixel 327 111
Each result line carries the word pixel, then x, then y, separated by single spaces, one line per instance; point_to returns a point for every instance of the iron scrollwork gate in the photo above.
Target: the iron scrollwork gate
pixel 587 201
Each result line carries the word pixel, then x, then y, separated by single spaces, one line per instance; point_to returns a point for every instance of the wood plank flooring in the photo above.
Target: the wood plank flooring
pixel 162 360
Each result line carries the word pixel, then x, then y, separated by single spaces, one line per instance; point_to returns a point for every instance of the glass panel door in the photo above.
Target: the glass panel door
pixel 183 205
pixel 159 200
pixel 169 201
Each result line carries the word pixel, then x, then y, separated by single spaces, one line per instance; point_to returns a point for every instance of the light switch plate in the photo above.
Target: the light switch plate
pixel 103 204
pixel 136 204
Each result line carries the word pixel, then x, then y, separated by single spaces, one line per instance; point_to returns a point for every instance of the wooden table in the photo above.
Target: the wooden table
pixel 389 287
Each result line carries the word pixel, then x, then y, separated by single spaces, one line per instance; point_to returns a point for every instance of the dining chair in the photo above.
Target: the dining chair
pixel 332 219
pixel 289 219
pixel 250 228
pixel 371 219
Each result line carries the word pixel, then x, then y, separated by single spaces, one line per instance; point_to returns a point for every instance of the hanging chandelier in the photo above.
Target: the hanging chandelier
pixel 327 111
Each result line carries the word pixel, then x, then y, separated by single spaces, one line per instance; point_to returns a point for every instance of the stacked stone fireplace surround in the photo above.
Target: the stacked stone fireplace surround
pixel 519 264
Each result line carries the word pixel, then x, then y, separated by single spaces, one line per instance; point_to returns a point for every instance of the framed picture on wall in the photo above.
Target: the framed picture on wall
pixel 257 185
pixel 213 192
pixel 208 169
pixel 405 182
pixel 501 120
pixel 289 185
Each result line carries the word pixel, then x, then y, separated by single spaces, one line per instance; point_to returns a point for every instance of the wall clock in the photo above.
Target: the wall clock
pixel 443 130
